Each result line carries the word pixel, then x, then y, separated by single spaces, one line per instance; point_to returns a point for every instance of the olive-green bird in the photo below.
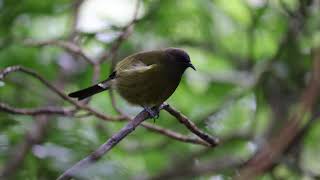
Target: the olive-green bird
pixel 146 79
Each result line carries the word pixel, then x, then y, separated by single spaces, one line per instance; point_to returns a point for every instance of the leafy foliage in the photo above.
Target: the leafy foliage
pixel 229 43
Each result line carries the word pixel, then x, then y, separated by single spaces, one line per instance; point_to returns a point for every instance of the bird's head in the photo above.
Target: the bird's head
pixel 180 58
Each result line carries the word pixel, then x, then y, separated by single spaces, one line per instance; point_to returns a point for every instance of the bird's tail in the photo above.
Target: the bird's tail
pixel 87 92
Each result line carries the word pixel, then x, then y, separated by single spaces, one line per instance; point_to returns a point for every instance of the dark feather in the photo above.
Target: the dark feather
pixel 87 92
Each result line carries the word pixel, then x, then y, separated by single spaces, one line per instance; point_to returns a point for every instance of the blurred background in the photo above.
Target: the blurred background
pixel 253 57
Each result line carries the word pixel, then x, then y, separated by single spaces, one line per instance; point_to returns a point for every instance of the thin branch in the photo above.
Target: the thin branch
pixel 174 135
pixel 36 111
pixel 158 129
pixel 12 69
pixel 107 146
pixel 191 126
pixel 154 128
pixel 68 46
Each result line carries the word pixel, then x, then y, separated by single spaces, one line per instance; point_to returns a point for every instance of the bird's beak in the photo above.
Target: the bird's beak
pixel 191 65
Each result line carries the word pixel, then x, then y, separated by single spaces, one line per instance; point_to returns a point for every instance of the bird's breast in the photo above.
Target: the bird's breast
pixel 147 89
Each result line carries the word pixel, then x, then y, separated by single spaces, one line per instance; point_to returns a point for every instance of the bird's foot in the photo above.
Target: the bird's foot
pixel 153 112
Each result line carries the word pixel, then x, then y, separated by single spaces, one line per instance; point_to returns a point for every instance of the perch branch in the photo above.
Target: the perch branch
pixel 158 129
pixel 36 111
pixel 191 126
pixel 107 146
pixel 115 139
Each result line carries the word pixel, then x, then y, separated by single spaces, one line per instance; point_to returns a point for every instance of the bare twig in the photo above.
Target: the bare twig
pixel 174 135
pixel 160 130
pixel 12 69
pixel 36 111
pixel 191 126
pixel 68 46
pixel 107 146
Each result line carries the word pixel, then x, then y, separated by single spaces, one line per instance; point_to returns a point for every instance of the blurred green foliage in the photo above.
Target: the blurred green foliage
pixel 228 41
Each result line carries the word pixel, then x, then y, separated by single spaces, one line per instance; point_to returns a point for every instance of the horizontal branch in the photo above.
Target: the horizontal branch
pixel 191 126
pixel 79 105
pixel 66 45
pixel 174 135
pixel 36 111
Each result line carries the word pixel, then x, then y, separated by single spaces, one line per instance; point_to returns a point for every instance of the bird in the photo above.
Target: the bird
pixel 146 79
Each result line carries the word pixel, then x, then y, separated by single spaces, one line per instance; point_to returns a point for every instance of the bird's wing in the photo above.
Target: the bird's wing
pixel 137 67
pixel 140 61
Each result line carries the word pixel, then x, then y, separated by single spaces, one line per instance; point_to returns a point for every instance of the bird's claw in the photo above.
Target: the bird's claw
pixel 153 112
